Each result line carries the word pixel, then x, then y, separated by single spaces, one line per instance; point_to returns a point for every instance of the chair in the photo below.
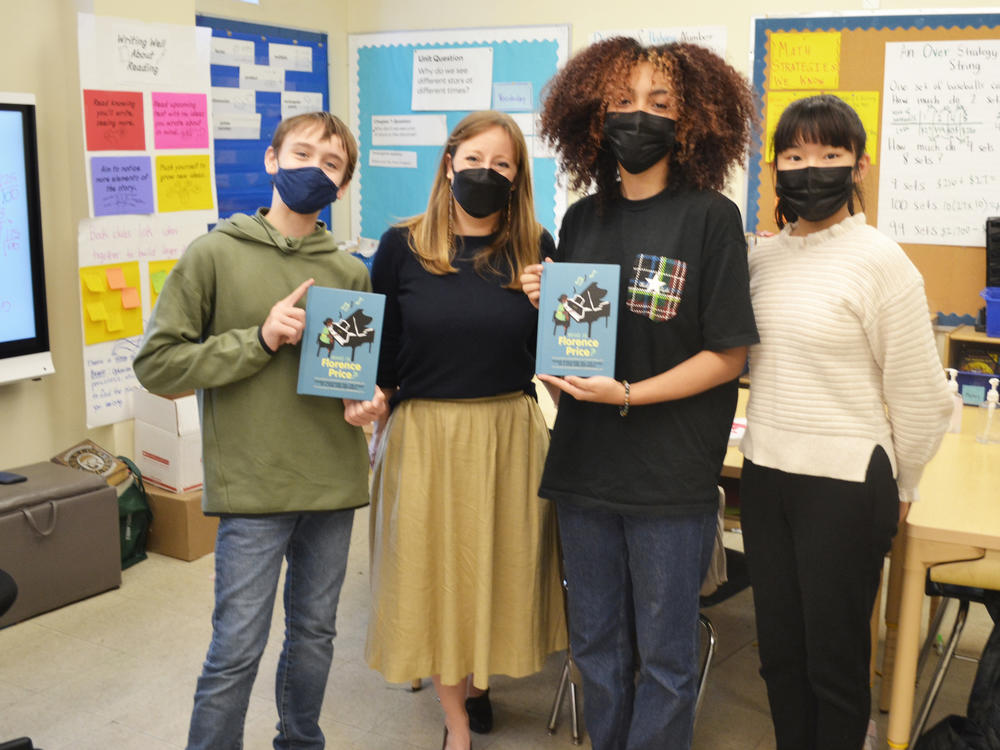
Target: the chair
pixel 965 582
pixel 8 593
pixel 738 579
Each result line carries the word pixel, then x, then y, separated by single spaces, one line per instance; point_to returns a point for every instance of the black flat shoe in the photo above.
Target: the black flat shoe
pixel 480 712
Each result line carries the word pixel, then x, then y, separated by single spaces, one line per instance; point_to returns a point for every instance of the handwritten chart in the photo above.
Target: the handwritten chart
pixel 940 141
pixel 123 262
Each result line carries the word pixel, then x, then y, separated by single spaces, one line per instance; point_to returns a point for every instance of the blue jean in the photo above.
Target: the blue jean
pixel 632 589
pixel 248 555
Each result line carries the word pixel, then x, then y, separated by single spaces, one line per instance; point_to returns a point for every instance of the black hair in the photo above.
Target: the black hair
pixel 825 119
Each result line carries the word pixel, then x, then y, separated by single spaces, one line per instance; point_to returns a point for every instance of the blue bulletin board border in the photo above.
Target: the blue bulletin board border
pixel 877 20
pixel 241 183
pixel 381 79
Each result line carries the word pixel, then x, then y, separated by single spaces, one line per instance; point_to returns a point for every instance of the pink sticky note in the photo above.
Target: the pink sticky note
pixel 130 298
pixel 116 278
pixel 180 120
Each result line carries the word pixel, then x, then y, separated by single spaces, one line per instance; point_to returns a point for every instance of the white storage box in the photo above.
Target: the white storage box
pixel 168 441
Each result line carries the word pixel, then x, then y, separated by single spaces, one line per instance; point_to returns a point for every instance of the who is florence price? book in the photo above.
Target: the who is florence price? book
pixel 578 319
pixel 340 344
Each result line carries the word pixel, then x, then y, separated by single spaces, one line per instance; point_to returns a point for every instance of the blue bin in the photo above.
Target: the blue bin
pixel 992 296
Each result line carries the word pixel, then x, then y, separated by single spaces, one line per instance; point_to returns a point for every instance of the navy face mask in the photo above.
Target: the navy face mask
pixel 813 193
pixel 480 192
pixel 305 190
pixel 638 139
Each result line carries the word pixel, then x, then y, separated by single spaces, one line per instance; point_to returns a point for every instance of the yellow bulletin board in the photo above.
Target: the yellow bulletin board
pixel 928 86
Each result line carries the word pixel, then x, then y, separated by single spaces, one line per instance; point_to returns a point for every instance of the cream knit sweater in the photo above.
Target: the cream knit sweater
pixel 846 359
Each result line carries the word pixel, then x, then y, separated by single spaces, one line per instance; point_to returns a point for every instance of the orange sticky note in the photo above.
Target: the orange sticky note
pixel 116 277
pixel 94 281
pixel 96 311
pixel 130 298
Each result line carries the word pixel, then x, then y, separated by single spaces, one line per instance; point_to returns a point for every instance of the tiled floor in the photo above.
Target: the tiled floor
pixel 117 672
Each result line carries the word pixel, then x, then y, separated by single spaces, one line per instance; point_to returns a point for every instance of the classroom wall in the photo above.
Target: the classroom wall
pixel 38 418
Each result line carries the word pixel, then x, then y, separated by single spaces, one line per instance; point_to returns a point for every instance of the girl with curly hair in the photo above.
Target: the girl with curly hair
pixel 635 459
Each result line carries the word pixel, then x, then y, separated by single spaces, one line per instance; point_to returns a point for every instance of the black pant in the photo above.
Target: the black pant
pixel 815 548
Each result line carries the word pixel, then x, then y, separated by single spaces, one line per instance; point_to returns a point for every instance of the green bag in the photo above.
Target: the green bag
pixel 134 516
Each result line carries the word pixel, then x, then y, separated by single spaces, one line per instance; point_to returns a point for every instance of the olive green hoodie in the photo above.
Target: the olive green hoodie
pixel 266 449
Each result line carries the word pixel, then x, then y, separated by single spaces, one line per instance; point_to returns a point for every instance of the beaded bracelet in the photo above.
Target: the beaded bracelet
pixel 623 409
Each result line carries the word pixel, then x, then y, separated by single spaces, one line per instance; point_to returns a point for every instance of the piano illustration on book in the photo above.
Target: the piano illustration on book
pixel 350 332
pixel 585 307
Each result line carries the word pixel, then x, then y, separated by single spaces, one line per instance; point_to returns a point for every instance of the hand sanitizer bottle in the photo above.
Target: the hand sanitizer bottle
pixel 956 408
pixel 992 398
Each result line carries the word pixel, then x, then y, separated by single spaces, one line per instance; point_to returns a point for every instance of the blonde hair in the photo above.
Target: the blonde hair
pixel 517 241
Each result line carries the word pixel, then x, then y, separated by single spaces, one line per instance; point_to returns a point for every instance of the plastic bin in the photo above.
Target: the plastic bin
pixel 992 296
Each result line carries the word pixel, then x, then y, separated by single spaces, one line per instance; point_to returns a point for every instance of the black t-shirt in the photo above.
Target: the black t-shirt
pixel 684 288
pixel 458 335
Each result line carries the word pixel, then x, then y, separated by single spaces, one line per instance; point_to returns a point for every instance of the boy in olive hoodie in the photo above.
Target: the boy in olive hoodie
pixel 283 472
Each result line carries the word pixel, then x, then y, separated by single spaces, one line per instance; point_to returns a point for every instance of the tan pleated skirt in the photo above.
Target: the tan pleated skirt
pixel 464 567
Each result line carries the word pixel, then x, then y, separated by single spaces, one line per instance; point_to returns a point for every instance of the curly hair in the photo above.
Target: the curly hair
pixel 714 105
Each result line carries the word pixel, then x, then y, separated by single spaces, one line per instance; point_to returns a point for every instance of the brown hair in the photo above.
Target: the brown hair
pixel 517 241
pixel 332 126
pixel 714 104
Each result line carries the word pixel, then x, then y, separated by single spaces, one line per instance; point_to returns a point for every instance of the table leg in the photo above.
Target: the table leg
pixel 920 555
pixel 892 596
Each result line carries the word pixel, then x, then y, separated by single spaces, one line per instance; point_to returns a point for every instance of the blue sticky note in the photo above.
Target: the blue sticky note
pixel 578 319
pixel 340 345
pixel 513 97
pixel 121 185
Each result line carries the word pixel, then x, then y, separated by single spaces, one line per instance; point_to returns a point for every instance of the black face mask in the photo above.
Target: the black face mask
pixel 480 192
pixel 638 139
pixel 813 193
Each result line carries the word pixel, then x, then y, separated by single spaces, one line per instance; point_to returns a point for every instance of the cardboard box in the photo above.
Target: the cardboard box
pixel 176 414
pixel 168 441
pixel 168 460
pixel 179 527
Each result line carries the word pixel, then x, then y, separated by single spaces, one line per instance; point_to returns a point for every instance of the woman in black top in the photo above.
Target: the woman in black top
pixel 463 552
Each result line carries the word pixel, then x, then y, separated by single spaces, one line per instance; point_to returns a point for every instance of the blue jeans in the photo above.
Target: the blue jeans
pixel 248 555
pixel 632 586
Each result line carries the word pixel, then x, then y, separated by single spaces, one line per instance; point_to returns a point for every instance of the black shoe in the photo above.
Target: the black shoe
pixel 480 712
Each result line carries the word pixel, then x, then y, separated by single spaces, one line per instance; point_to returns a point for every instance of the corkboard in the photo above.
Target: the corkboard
pixel 953 274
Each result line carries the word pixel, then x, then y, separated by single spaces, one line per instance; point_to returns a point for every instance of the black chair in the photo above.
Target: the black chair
pixel 8 593
pixel 738 579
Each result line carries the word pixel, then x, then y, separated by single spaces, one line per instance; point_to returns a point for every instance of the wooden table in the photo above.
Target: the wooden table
pixel 957 518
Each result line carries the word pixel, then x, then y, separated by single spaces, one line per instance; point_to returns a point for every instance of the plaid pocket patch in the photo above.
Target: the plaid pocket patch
pixel 656 286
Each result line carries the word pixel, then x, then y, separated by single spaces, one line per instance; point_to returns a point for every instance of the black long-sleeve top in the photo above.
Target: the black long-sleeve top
pixel 457 335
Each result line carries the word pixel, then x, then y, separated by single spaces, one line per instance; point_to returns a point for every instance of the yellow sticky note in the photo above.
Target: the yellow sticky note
pixel 865 103
pixel 94 281
pixel 114 321
pixel 96 311
pixel 777 102
pixel 116 277
pixel 804 60
pixel 115 313
pixel 130 298
pixel 157 278
pixel 183 183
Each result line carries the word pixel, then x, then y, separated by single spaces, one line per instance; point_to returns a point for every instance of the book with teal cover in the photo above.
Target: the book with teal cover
pixel 578 319
pixel 340 344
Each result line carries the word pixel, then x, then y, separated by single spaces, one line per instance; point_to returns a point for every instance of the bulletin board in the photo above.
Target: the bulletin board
pixel 927 87
pixel 408 90
pixel 260 76
pixel 149 168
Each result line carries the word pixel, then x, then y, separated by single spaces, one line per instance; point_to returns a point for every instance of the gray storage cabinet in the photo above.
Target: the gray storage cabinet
pixel 58 538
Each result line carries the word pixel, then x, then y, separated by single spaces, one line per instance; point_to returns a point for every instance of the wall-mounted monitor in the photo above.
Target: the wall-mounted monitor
pixel 24 327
